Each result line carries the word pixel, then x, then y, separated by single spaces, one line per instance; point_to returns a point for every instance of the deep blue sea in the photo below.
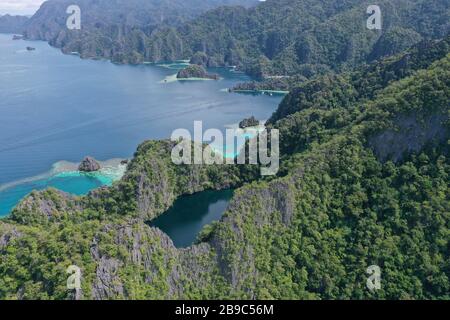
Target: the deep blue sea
pixel 55 109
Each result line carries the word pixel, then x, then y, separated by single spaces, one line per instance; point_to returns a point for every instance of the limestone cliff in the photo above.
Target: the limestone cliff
pixel 12 24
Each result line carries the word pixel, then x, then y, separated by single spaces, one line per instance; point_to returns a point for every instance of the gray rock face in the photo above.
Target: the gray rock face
pixel 7 234
pixel 273 205
pixel 409 135
pixel 89 165
pixel 157 182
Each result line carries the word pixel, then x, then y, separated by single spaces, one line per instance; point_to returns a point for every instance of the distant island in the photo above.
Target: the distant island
pixel 197 72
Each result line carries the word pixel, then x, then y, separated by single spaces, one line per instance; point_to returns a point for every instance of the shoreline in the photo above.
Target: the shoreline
pixel 173 78
pixel 277 92
pixel 111 169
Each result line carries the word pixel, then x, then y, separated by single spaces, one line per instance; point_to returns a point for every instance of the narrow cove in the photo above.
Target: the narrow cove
pixel 190 214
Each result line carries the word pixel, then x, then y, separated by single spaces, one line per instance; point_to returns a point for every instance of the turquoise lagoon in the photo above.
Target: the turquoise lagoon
pixel 63 176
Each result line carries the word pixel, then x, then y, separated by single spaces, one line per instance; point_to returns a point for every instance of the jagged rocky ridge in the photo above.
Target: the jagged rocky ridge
pixel 196 71
pixel 12 24
pixel 282 37
pixel 346 198
pixel 117 32
pixel 325 92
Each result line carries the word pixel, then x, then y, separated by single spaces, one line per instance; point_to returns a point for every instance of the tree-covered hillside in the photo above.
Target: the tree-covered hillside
pixel 276 37
pixel 363 181
pixel 292 37
pixel 12 24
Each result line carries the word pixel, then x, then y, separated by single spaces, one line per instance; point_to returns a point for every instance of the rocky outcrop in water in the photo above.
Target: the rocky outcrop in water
pixel 41 207
pixel 196 71
pixel 89 164
pixel 12 24
pixel 308 233
pixel 249 122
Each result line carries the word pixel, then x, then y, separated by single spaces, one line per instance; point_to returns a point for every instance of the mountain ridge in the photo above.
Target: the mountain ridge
pixel 12 24
pixel 308 233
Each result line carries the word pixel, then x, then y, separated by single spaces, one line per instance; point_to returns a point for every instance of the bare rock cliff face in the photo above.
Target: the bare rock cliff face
pixel 156 181
pixel 408 135
pixel 46 206
pixel 7 234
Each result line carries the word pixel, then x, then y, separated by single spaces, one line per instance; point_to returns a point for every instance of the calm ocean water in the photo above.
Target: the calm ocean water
pixel 56 107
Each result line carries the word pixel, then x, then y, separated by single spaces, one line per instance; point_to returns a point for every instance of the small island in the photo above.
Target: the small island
pixel 249 122
pixel 89 164
pixel 196 72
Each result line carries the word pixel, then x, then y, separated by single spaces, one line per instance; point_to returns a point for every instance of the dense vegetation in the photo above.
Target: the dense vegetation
pixel 196 71
pixel 364 180
pixel 277 37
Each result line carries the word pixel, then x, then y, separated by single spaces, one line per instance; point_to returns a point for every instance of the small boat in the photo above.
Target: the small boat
pixel 31 48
